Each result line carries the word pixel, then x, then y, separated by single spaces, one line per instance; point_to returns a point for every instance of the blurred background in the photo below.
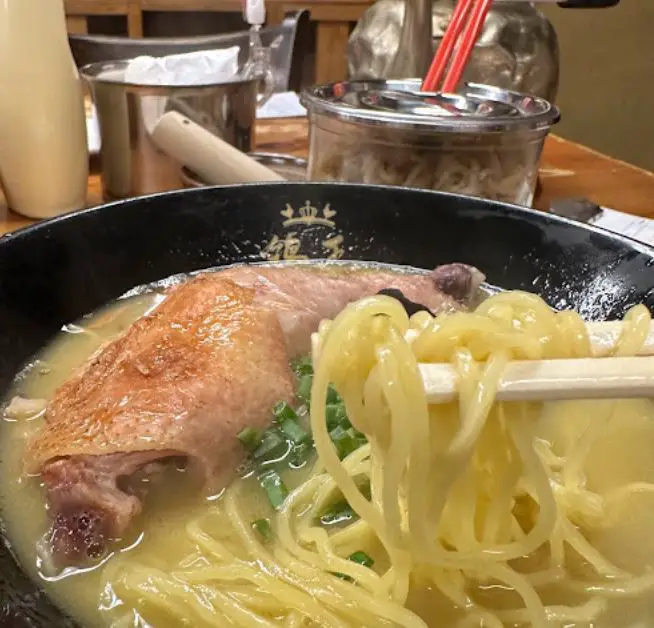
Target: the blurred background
pixel 607 59
pixel 607 79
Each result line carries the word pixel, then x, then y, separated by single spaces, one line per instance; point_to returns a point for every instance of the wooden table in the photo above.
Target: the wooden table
pixel 78 12
pixel 567 170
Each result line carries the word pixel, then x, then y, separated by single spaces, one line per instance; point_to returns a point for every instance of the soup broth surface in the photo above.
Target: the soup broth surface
pixel 158 536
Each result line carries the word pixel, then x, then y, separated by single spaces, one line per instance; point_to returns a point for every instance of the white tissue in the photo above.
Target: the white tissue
pixel 203 67
pixel 282 105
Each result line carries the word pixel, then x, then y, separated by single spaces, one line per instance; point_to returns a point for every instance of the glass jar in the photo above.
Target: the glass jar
pixel 517 50
pixel 486 142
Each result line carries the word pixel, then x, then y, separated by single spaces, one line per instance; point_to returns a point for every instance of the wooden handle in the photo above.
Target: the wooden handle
pixel 554 380
pixel 598 377
pixel 213 159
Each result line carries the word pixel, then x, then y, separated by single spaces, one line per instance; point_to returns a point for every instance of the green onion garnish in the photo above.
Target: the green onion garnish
pixel 287 443
pixel 300 454
pixel 361 558
pixel 272 447
pixel 332 395
pixel 345 441
pixel 304 387
pixel 340 512
pixel 286 418
pixel 283 412
pixel 336 415
pixel 275 488
pixel 262 526
pixel 250 438
pixel 303 366
pixel 295 432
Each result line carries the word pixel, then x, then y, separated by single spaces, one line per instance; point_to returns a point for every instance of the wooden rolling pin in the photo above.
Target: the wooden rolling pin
pixel 213 159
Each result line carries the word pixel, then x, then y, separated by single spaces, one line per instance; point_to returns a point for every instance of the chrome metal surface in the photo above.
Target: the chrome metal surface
pixel 436 104
pixel 400 104
pixel 131 163
pixel 414 54
pixel 517 50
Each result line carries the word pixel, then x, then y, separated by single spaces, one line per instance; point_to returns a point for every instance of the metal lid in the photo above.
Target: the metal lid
pixel 400 103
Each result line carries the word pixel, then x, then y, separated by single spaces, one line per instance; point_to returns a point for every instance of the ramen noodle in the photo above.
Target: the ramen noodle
pixel 476 513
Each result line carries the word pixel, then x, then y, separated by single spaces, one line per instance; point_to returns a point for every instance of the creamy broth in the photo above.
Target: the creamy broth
pixel 158 536
pixel 171 498
pixel 21 498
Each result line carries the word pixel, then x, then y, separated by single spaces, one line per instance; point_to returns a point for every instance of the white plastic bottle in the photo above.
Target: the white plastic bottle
pixel 43 149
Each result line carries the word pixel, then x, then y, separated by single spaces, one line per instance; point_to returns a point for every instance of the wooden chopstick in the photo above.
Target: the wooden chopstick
pixel 599 377
pixel 554 380
pixel 457 44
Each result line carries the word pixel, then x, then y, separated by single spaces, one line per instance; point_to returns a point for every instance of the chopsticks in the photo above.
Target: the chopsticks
pixel 459 38
pixel 554 380
pixel 566 379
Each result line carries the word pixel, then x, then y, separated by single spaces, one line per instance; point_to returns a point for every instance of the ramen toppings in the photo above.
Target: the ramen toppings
pixel 184 380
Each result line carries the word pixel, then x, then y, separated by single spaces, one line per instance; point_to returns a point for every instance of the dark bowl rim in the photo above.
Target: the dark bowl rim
pixel 519 210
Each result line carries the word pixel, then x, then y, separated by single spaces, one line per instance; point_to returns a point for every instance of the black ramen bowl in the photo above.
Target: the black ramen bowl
pixel 56 271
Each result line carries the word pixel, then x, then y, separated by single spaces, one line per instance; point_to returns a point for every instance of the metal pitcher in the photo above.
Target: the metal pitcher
pixel 132 164
pixel 517 49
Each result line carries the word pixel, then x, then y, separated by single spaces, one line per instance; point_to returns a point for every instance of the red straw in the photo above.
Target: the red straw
pixel 469 39
pixel 475 12
pixel 452 32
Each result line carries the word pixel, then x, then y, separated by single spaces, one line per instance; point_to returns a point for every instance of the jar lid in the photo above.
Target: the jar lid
pixel 400 103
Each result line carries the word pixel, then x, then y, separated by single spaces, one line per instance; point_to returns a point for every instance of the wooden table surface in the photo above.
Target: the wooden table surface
pixel 568 170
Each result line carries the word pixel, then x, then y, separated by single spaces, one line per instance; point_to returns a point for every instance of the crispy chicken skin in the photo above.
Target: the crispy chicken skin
pixel 182 381
pixel 185 379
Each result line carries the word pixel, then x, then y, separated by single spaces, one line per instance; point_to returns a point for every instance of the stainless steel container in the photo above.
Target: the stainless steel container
pixel 484 141
pixel 132 165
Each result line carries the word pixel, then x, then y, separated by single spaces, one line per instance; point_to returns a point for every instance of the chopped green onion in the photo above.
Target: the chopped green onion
pixel 304 387
pixel 294 431
pixel 262 526
pixel 303 366
pixel 286 418
pixel 275 488
pixel 345 441
pixel 283 412
pixel 361 558
pixel 250 438
pixel 273 446
pixel 340 512
pixel 332 395
pixel 300 454
pixel 336 415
